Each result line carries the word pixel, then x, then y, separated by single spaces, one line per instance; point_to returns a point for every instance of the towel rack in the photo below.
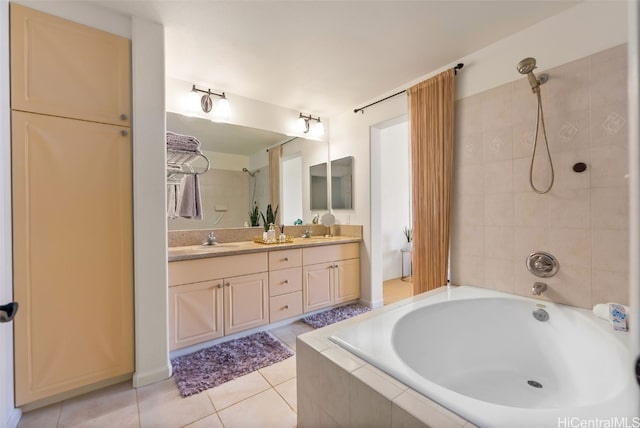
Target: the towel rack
pixel 178 164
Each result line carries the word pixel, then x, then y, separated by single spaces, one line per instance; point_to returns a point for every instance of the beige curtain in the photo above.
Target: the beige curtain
pixel 274 177
pixel 431 107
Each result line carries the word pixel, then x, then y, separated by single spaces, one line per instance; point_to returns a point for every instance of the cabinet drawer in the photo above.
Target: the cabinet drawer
pixel 189 271
pixel 285 259
pixel 285 306
pixel 330 253
pixel 285 281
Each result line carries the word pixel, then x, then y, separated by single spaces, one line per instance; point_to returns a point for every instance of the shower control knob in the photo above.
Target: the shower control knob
pixel 542 264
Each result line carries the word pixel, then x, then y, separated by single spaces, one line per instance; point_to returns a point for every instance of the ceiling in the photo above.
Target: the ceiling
pixel 324 57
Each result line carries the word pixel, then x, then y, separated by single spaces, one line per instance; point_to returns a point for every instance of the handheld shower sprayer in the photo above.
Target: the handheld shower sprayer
pixel 526 66
pixel 253 174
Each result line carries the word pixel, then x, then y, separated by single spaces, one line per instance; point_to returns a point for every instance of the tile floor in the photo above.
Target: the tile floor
pixel 265 398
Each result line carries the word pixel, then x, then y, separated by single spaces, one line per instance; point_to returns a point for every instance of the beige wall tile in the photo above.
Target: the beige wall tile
pixel 567 89
pixel 610 250
pixel 524 103
pixel 467 270
pixel 521 175
pixel 531 210
pixel 499 274
pixel 308 411
pixel 571 247
pixel 498 177
pixel 609 287
pixel 468 210
pixel 498 209
pixel 497 144
pixel 426 410
pixel 610 208
pixel 571 286
pixel 496 108
pixel 468 115
pixel 323 382
pixel 609 166
pixel 570 209
pixel 566 178
pixel 567 132
pixel 529 240
pixel 499 242
pixel 379 381
pixel 369 409
pixel 468 180
pixel 402 419
pixel 609 124
pixel 468 150
pixel 524 134
pixel 470 240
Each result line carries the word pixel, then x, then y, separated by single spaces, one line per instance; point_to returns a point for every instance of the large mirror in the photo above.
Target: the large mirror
pixel 239 174
pixel 342 183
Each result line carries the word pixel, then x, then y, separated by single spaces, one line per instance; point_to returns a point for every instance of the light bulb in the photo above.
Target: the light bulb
pixel 224 108
pixel 318 129
pixel 301 124
pixel 193 102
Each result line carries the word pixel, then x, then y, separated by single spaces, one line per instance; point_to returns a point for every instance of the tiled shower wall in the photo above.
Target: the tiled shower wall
pixel 583 221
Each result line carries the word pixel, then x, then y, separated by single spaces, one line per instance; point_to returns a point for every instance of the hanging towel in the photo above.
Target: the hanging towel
pixel 174 198
pixel 191 204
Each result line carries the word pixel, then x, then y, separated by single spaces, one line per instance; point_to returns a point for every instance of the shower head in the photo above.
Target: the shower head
pixel 526 66
pixel 249 172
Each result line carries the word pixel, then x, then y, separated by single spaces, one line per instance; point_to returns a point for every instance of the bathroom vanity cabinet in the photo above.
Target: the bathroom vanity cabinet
pixel 215 296
pixel 331 275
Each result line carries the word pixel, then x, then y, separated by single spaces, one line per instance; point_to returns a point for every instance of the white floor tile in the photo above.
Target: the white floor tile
pixel 265 410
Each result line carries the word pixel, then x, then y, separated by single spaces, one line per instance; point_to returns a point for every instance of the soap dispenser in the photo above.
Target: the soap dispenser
pixel 271 234
pixel 282 237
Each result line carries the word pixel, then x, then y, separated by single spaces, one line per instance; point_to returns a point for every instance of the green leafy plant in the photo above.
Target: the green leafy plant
pixel 408 233
pixel 270 217
pixel 254 215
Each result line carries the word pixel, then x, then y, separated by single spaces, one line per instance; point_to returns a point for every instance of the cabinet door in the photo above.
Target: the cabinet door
pixel 62 68
pixel 72 249
pixel 347 280
pixel 195 313
pixel 246 302
pixel 317 291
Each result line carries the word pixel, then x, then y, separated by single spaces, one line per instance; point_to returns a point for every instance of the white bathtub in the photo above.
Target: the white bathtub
pixel 482 355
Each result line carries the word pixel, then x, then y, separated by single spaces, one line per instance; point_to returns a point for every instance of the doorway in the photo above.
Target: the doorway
pixel 391 209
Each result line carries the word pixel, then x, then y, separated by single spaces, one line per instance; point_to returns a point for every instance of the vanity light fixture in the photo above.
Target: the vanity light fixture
pixel 206 103
pixel 303 125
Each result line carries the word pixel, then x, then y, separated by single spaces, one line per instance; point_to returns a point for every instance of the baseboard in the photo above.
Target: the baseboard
pixel 373 304
pixel 14 418
pixel 147 378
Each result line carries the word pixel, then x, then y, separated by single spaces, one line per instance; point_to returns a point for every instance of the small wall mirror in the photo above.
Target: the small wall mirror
pixel 342 183
pixel 318 186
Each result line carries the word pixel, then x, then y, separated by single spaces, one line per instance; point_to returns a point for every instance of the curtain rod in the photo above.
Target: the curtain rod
pixel 361 109
pixel 283 143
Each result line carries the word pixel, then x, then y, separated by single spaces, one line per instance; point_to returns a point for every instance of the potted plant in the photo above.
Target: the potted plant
pixel 270 217
pixel 254 215
pixel 408 234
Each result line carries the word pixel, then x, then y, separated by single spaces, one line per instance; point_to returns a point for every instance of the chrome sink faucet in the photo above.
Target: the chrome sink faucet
pixel 538 288
pixel 211 239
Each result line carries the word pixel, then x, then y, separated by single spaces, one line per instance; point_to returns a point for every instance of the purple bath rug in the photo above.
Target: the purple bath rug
pixel 226 361
pixel 336 314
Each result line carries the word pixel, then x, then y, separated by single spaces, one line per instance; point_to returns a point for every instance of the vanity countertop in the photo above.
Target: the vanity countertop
pixel 245 247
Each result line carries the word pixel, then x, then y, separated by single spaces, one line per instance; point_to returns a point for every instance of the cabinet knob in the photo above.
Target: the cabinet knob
pixel 227 284
pixel 124 117
pixel 286 281
pixel 124 133
pixel 286 259
pixel 219 285
pixel 285 307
